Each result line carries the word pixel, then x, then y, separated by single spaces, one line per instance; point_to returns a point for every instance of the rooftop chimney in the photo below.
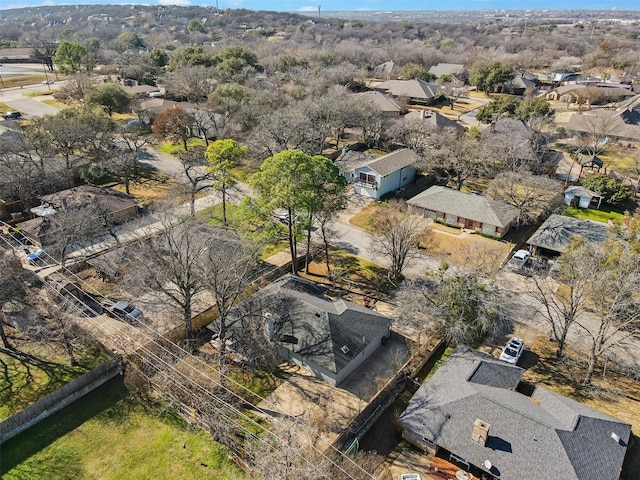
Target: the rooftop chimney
pixel 480 432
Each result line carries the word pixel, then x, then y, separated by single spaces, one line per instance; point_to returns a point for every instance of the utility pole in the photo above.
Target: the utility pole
pixel 319 6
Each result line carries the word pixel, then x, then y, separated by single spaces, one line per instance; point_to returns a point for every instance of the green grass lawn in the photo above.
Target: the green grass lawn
pixel 173 148
pixel 109 435
pixel 28 376
pixel 602 215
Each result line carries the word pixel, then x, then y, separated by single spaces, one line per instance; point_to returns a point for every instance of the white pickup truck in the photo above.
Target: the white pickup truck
pixel 519 259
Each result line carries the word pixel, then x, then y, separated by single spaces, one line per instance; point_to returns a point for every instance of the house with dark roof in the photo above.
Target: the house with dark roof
pixel 475 413
pixel 329 337
pixel 558 231
pixel 433 119
pixel 385 174
pixel 417 92
pixel 466 210
pixel 119 206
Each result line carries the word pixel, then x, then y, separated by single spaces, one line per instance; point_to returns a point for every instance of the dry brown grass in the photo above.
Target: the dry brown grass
pixel 460 248
pixel 152 189
pixel 612 393
pixel 365 218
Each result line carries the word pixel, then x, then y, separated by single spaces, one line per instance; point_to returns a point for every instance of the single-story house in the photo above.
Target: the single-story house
pixel 118 205
pixel 511 138
pixel 386 104
pixel 433 119
pixel 414 91
pixel 140 90
pixel 466 210
pixel 519 84
pixel 582 196
pixel 474 413
pixel 17 55
pixel 456 70
pixel 385 174
pixel 623 123
pixel 329 337
pixel 558 231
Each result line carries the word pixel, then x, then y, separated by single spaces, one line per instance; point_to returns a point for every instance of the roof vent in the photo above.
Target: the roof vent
pixel 615 437
pixel 344 349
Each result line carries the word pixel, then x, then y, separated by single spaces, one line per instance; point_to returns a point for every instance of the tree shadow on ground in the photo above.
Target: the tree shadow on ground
pixel 18 449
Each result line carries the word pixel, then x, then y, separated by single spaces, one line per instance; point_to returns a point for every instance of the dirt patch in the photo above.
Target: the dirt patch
pixel 322 408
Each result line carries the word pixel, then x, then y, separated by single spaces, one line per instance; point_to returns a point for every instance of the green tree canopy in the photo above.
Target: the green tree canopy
pixel 72 58
pixel 505 106
pixel 195 25
pixel 411 71
pixel 223 156
pixel 487 75
pixel 127 40
pixel 614 192
pixel 158 57
pixel 293 180
pixel 189 57
pixel 110 97
pixel 231 61
pixel 533 107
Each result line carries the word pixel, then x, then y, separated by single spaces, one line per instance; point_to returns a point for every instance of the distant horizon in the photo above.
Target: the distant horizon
pixel 302 6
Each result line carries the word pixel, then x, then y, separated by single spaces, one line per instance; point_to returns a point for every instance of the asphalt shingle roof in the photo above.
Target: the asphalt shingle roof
pixel 393 162
pixel 558 231
pixel 467 205
pixel 322 327
pixel 410 88
pixel 543 436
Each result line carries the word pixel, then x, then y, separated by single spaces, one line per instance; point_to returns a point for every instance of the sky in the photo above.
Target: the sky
pixel 340 5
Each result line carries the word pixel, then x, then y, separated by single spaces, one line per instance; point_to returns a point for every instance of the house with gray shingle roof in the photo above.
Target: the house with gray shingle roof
pixel 558 231
pixel 415 91
pixel 466 210
pixel 329 337
pixel 386 104
pixel 472 412
pixel 385 174
pixel 449 69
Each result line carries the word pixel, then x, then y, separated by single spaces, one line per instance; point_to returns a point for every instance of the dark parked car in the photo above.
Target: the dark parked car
pixel 11 115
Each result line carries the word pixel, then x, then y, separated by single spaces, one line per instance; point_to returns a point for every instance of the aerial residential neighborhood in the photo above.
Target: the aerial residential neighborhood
pixel 319 245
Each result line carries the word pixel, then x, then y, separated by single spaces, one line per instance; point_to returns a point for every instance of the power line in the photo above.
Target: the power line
pixel 120 336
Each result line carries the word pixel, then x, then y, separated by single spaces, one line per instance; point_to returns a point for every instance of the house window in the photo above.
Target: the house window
pixel 367 178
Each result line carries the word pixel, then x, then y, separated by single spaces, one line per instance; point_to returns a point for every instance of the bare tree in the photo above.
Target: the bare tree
pixel 562 304
pixel 461 307
pixel 614 297
pixel 173 264
pixel 531 194
pixel 75 227
pixel 230 267
pixel 594 129
pixel 458 158
pixel 11 287
pixel 198 177
pixel 396 238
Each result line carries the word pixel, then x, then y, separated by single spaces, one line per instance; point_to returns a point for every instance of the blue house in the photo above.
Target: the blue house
pixel 385 174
